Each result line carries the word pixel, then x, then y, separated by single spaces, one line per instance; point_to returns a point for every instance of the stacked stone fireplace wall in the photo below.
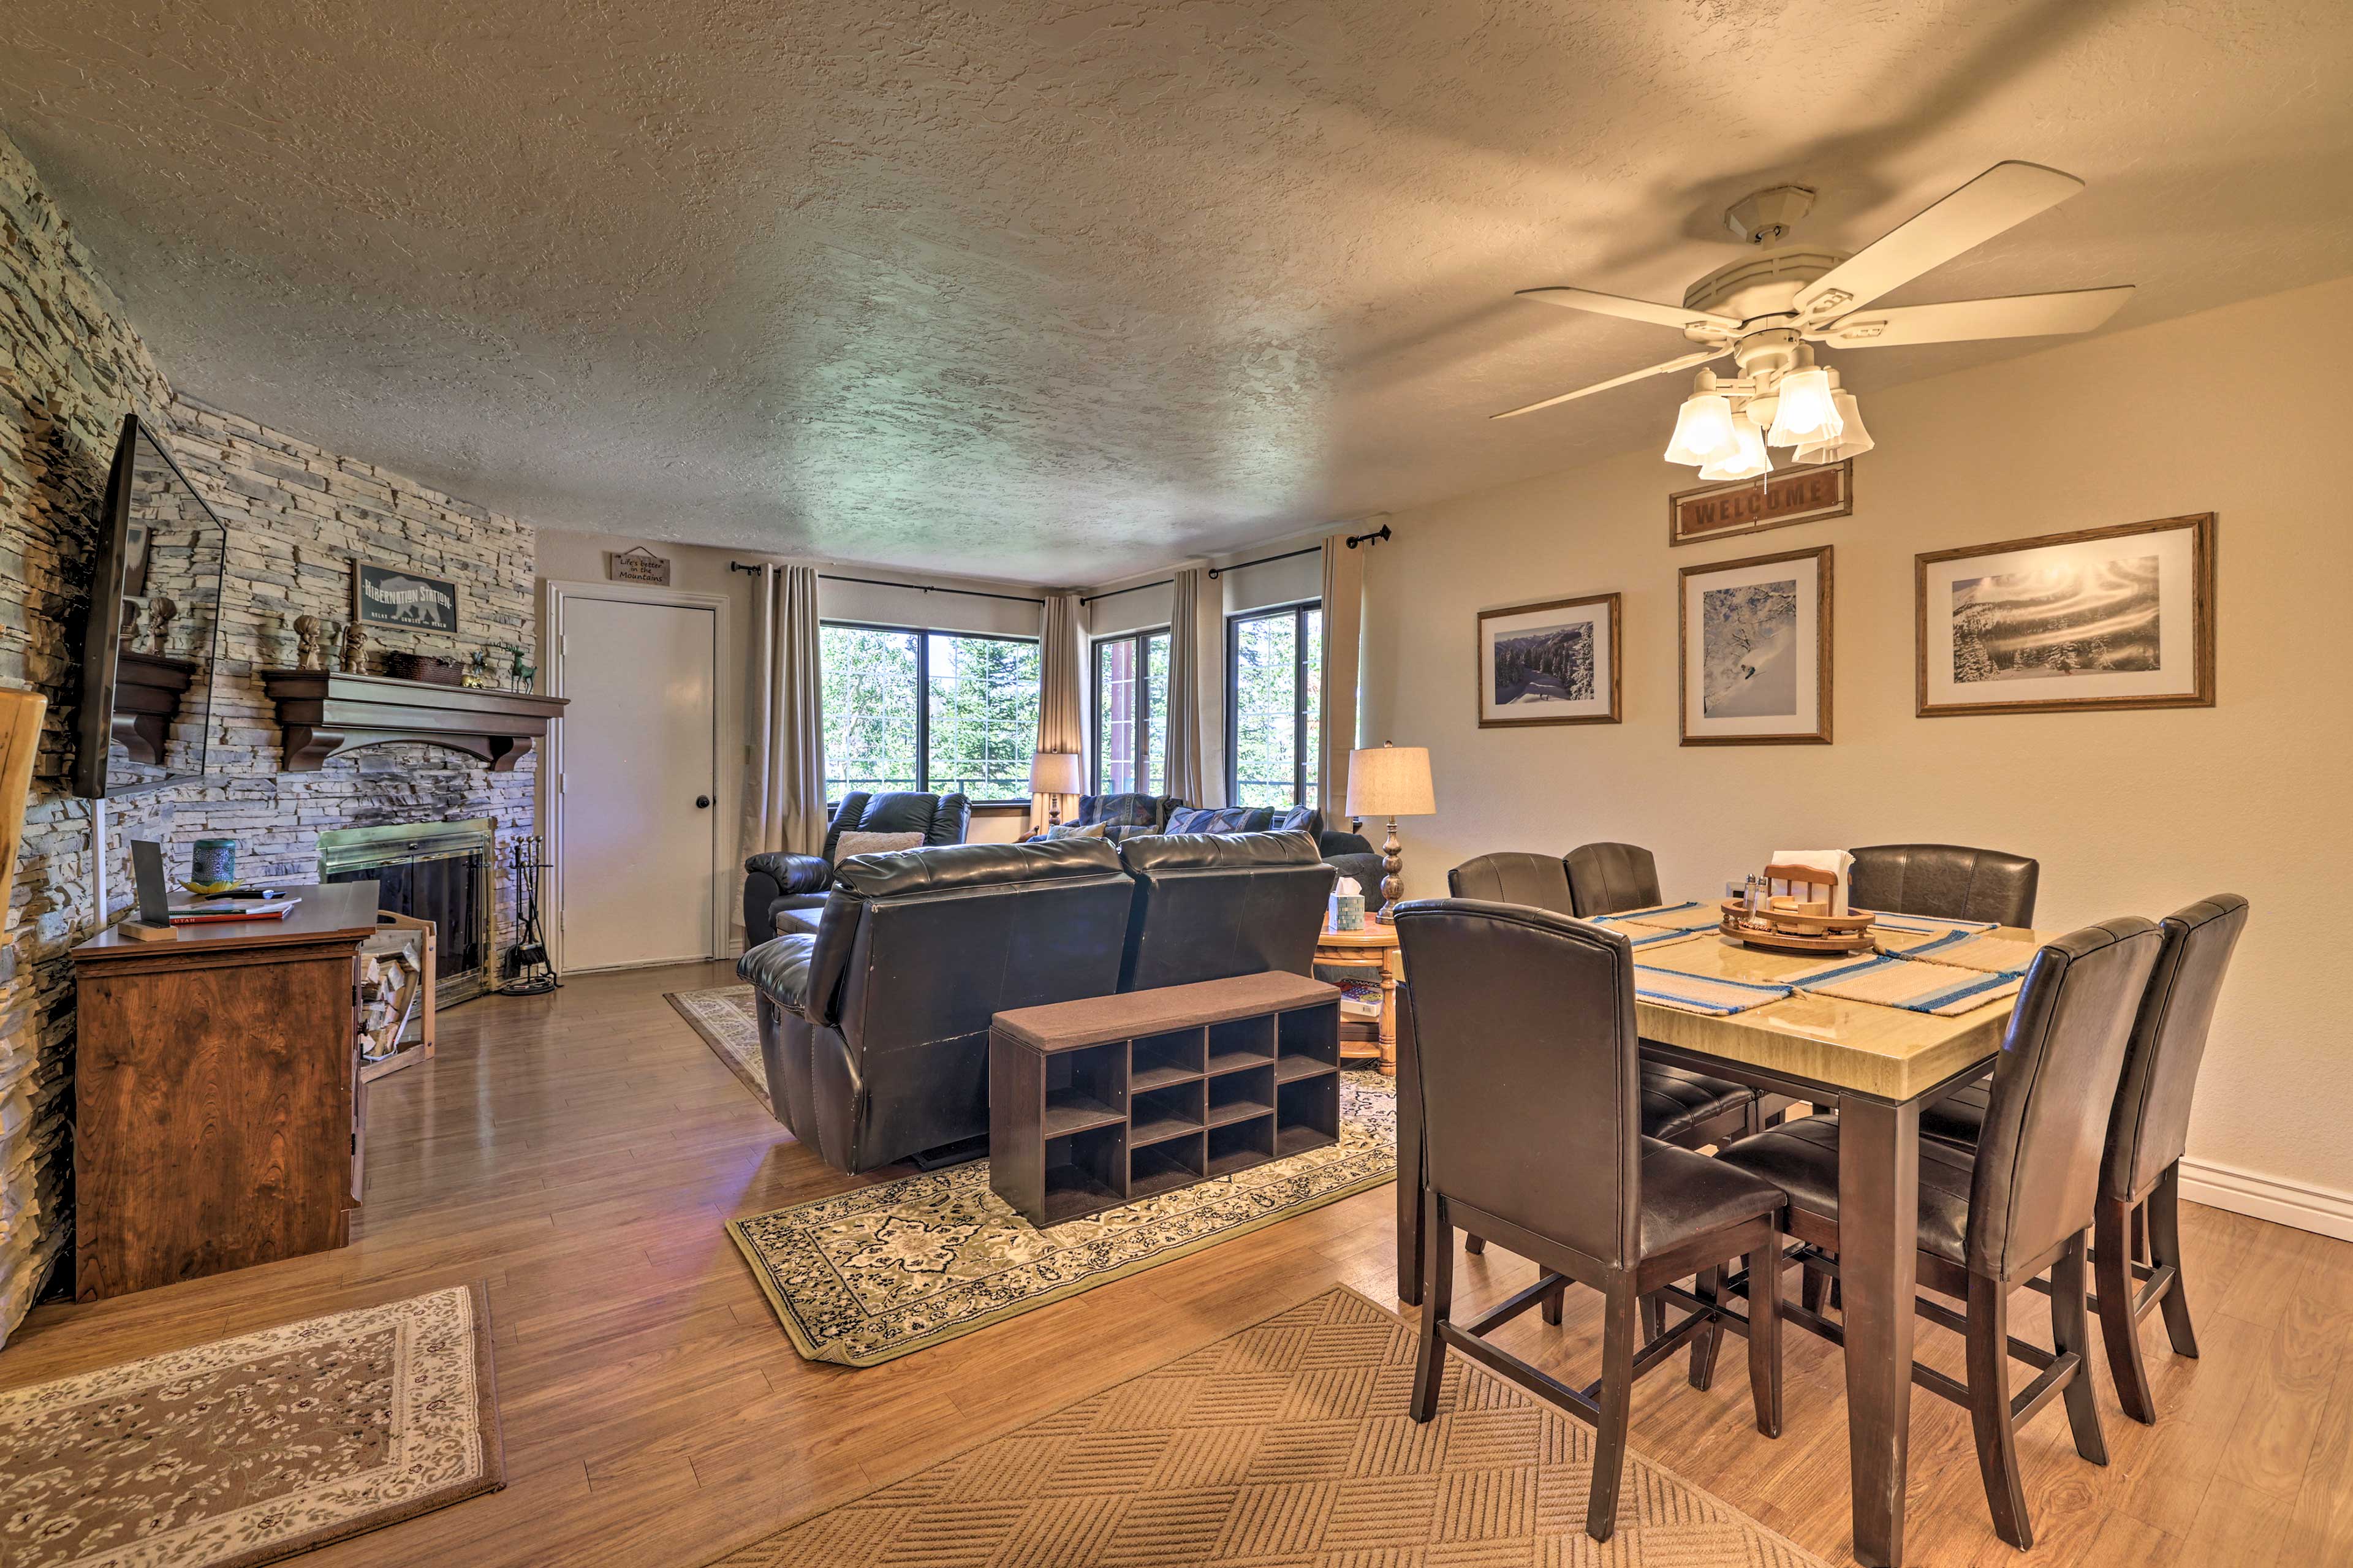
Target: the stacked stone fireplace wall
pixel 71 365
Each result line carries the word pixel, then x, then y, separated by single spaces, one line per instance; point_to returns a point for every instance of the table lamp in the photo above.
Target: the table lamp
pixel 1392 782
pixel 1055 774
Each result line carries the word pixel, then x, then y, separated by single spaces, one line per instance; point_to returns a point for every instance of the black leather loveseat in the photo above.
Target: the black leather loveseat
pixel 776 883
pixel 874 1026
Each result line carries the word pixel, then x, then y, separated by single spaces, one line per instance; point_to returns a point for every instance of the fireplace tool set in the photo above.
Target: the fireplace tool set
pixel 529 973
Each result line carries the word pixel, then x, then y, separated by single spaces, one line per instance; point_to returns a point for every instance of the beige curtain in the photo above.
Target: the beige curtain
pixel 1344 622
pixel 1185 775
pixel 1062 696
pixel 784 793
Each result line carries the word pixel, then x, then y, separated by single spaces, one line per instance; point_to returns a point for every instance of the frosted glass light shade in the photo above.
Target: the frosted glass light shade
pixel 1748 459
pixel 1852 440
pixel 1703 430
pixel 1807 415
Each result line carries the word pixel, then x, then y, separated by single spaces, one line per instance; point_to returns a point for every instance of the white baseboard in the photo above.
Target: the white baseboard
pixel 2319 1210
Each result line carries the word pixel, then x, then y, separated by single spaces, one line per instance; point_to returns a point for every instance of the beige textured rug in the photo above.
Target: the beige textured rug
pixel 1285 1447
pixel 725 1018
pixel 902 1265
pixel 246 1450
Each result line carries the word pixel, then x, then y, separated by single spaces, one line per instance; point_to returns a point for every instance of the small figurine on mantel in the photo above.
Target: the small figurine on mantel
pixel 160 611
pixel 524 673
pixel 478 671
pixel 354 648
pixel 308 631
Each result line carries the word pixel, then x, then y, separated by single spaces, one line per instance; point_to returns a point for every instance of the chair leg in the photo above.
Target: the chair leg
pixel 1551 1308
pixel 2072 1330
pixel 2164 1208
pixel 1610 1421
pixel 1654 1317
pixel 1810 1290
pixel 1764 1335
pixel 1437 1303
pixel 1709 1340
pixel 2140 1234
pixel 1473 1244
pixel 1996 1435
pixel 2118 1330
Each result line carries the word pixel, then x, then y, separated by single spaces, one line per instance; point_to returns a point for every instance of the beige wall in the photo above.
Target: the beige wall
pixel 2128 812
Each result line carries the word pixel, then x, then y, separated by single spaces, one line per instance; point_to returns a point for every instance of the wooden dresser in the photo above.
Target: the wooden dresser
pixel 218 1096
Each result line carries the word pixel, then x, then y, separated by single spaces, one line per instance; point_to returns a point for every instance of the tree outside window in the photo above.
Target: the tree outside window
pixel 1131 738
pixel 1274 705
pixel 909 709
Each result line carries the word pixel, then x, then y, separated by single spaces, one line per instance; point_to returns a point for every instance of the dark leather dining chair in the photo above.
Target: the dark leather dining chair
pixel 1993 1217
pixel 1604 879
pixel 1677 1105
pixel 1529 1076
pixel 2148 1131
pixel 1944 881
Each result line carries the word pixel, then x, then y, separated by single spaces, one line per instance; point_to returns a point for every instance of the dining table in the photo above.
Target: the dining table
pixel 1876 1065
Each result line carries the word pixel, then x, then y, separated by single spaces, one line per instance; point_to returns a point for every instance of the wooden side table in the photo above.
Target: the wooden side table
pixel 1374 950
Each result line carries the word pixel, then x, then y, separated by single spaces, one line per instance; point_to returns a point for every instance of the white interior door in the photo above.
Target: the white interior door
pixel 638 795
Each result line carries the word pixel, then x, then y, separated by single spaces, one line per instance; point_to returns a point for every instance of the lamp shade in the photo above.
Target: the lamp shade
pixel 1852 439
pixel 1807 415
pixel 1749 460
pixel 1056 773
pixel 1703 430
pixel 1390 781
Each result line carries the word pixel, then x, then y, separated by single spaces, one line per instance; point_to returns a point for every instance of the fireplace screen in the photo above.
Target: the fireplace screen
pixel 437 871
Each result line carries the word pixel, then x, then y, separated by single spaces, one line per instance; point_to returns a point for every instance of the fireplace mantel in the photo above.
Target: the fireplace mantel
pixel 326 713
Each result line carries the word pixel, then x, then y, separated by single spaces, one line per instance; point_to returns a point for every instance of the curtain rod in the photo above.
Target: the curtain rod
pixel 755 568
pixel 1217 572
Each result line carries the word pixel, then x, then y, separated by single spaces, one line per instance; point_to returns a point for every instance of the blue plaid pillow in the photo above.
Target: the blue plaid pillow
pixel 1119 810
pixel 1304 819
pixel 1221 819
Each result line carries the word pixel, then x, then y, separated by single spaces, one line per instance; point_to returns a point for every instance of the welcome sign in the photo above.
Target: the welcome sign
pixel 1751 506
pixel 393 596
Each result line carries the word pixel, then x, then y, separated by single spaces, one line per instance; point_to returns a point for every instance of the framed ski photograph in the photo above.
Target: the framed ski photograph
pixel 1552 663
pixel 1756 660
pixel 2102 617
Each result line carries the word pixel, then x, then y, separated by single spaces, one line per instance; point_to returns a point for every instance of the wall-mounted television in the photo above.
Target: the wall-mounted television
pixel 151 642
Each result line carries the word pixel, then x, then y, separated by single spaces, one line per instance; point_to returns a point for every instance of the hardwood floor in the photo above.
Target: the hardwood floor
pixel 579 1152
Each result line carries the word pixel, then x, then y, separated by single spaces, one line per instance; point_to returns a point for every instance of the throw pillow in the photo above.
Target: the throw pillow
pixel 1221 819
pixel 854 843
pixel 1304 819
pixel 1078 830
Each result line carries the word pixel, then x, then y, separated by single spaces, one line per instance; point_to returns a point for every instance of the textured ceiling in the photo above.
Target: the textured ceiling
pixel 1051 292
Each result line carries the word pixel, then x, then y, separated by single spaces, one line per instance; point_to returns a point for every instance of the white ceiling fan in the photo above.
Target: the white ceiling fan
pixel 1766 309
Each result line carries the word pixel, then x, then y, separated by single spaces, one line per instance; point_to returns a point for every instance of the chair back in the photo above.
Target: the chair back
pixel 1604 879
pixel 1944 881
pixel 1212 906
pixel 940 818
pixel 1523 1023
pixel 2150 1128
pixel 2039 1156
pixel 1515 877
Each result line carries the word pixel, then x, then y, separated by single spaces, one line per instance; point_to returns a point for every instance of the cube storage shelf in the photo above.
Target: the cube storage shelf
pixel 1103 1102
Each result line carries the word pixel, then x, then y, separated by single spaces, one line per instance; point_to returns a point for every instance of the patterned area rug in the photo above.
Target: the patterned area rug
pixel 247 1450
pixel 889 1269
pixel 1285 1447
pixel 725 1018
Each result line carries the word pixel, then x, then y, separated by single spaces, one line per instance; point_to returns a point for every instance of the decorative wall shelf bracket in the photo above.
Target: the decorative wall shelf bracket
pixel 326 713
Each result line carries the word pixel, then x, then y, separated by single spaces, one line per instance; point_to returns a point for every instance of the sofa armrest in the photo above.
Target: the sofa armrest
pixel 791 873
pixel 780 968
pixel 1329 843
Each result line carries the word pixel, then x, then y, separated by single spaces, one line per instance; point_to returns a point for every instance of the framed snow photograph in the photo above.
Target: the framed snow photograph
pixel 1553 663
pixel 2102 617
pixel 1756 660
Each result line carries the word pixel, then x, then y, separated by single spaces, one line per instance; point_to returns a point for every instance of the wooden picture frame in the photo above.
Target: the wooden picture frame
pixel 395 596
pixel 1802 492
pixel 1596 622
pixel 1784 603
pixel 2149 624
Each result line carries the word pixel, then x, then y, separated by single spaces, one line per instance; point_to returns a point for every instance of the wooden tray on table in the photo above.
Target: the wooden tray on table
pixel 1789 930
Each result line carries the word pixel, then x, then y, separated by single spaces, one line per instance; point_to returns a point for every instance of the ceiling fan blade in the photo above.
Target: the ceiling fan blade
pixel 1657 315
pixel 2002 197
pixel 2017 316
pixel 1686 362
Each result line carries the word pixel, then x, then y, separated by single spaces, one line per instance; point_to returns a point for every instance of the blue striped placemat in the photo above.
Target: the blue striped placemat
pixel 1977 950
pixel 1647 936
pixel 1928 925
pixel 1690 915
pixel 1893 982
pixel 1702 992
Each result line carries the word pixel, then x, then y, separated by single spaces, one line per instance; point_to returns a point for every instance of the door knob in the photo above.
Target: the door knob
pixel 702 803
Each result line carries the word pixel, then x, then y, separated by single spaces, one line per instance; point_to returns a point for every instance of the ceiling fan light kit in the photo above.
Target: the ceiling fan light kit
pixel 1765 310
